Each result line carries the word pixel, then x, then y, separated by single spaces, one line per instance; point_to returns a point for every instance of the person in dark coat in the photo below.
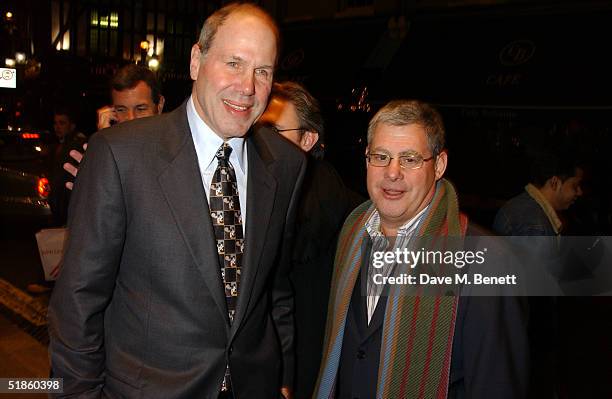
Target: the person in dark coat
pixel 388 340
pixel 324 204
pixel 69 139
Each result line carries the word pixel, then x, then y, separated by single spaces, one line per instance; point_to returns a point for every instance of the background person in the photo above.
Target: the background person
pixel 554 186
pixel 68 139
pixel 135 93
pixel 324 204
pixel 65 129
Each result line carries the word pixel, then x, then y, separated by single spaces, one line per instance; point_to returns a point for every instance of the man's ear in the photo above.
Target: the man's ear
pixel 308 140
pixel 554 182
pixel 196 59
pixel 160 104
pixel 441 162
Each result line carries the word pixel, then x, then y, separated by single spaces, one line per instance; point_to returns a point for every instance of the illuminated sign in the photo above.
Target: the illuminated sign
pixel 518 52
pixel 8 78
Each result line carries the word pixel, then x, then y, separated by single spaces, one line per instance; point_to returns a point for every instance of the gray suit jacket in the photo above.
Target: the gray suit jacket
pixel 139 309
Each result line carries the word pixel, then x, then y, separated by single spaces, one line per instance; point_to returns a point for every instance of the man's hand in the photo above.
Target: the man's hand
pixel 286 393
pixel 106 117
pixel 70 168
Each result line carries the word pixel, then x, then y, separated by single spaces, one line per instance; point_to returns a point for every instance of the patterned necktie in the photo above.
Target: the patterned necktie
pixel 227 224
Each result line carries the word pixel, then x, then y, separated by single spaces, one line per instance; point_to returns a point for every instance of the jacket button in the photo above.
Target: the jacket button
pixel 361 354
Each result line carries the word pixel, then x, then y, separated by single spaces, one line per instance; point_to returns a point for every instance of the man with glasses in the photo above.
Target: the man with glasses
pixel 386 344
pixel 324 204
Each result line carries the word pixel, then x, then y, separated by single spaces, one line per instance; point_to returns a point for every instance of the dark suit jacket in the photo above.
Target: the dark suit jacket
pixel 139 309
pixel 324 204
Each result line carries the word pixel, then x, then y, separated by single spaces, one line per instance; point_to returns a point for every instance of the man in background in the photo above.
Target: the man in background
pixel 555 184
pixel 64 127
pixel 135 93
pixel 324 204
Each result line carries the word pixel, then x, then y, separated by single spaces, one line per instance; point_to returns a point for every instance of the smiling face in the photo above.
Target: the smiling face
pixel 400 194
pixel 234 78
pixel 136 102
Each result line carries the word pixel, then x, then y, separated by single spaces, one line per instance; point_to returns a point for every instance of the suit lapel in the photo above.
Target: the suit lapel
pixel 261 189
pixel 366 330
pixel 181 183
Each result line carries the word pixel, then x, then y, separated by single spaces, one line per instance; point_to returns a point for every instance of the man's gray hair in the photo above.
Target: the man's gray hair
pixel 408 112
pixel 219 17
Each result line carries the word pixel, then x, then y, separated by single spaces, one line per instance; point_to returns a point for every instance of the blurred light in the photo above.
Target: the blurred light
pixel 94 17
pixel 9 15
pixel 37 148
pixel 9 62
pixel 30 135
pixel 43 187
pixel 154 63
pixel 104 21
pixel 20 58
pixel 114 20
pixel 144 45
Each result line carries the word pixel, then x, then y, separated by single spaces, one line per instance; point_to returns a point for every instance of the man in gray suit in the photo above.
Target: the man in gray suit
pixel 151 302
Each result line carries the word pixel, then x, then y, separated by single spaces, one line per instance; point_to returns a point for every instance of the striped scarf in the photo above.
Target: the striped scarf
pixel 417 331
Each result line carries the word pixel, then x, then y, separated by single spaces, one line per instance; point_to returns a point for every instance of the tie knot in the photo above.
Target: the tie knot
pixel 223 153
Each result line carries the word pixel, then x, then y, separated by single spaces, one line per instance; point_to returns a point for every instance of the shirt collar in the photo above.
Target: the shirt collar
pixel 374 230
pixel 208 142
pixel 550 212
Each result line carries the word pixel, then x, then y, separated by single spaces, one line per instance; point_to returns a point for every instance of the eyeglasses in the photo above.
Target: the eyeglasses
pixel 409 161
pixel 278 131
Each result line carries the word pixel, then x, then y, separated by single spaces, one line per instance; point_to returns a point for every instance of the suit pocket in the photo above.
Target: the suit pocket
pixel 117 387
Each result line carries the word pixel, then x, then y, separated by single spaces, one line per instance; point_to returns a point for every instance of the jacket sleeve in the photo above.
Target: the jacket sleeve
pixel 495 347
pixel 97 222
pixel 282 295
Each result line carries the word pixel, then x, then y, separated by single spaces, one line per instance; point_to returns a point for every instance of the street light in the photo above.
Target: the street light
pixel 9 62
pixel 20 58
pixel 8 15
pixel 154 63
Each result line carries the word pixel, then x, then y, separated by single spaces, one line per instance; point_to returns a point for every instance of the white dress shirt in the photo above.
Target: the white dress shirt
pixel 206 144
pixel 381 243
